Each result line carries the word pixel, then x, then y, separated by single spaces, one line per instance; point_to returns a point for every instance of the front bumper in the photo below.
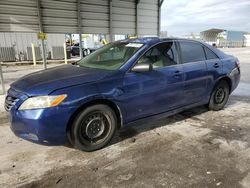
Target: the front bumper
pixel 43 126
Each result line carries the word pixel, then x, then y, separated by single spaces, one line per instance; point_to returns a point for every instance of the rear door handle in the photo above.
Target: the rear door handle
pixel 216 65
pixel 177 73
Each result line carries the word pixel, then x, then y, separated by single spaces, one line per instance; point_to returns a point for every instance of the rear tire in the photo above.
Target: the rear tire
pixel 219 96
pixel 93 128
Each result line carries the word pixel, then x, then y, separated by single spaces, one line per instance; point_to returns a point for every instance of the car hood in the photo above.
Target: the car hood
pixel 45 81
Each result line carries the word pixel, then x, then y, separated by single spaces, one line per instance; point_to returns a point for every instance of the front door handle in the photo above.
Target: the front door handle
pixel 216 65
pixel 177 73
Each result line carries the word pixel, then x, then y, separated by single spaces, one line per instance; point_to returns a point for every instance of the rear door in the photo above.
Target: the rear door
pixel 214 68
pixel 195 71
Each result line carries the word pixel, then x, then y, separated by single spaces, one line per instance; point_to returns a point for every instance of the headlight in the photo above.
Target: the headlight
pixel 42 102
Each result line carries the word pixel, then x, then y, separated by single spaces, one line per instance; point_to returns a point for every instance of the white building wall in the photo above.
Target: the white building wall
pixel 247 40
pixel 55 40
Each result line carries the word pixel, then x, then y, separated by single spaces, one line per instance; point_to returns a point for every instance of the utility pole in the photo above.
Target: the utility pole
pixel 79 20
pixel 159 17
pixel 136 18
pixel 111 20
pixel 1 78
pixel 41 34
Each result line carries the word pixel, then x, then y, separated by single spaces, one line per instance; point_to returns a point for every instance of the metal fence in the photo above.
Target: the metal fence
pixel 37 53
pixel 57 52
pixel 231 44
pixel 7 54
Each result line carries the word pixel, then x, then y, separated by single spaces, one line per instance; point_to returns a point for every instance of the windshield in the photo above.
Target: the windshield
pixel 111 56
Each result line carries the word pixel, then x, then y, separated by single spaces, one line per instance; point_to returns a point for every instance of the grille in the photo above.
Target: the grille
pixel 10 102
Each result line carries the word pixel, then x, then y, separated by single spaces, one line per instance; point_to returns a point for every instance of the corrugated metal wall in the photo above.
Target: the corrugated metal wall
pixel 148 17
pixel 18 16
pixel 95 16
pixel 124 17
pixel 60 16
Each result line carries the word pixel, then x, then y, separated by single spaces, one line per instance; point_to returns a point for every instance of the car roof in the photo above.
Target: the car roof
pixel 147 40
pixel 154 40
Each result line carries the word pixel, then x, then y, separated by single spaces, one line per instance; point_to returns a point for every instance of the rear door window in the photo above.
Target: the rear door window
pixel 192 52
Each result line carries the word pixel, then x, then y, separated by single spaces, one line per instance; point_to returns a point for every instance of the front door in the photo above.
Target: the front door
pixel 158 90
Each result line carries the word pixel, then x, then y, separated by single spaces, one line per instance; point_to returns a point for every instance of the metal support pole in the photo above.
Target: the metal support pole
pixel 159 17
pixel 136 18
pixel 65 53
pixel 80 45
pixel 111 20
pixel 161 2
pixel 44 54
pixel 33 54
pixel 1 77
pixel 41 30
pixel 79 20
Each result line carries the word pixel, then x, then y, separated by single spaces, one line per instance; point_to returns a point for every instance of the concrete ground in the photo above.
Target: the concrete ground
pixel 196 148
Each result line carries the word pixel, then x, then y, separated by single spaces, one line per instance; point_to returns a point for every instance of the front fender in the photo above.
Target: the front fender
pixel 78 96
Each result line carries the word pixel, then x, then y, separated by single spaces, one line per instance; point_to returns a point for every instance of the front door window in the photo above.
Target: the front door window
pixel 162 55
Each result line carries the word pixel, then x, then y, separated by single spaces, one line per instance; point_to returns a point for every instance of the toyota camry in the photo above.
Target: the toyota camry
pixel 119 84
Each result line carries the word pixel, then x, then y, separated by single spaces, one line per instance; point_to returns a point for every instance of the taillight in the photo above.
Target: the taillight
pixel 237 63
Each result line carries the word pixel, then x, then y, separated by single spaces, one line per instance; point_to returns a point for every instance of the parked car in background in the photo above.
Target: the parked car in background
pixel 75 50
pixel 119 84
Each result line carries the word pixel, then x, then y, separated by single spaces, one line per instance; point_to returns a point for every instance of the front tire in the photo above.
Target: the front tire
pixel 219 96
pixel 93 128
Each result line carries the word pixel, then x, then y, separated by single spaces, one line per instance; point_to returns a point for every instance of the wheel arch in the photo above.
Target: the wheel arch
pixel 227 79
pixel 107 102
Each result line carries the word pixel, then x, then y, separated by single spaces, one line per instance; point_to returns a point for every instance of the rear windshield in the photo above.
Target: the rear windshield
pixel 111 56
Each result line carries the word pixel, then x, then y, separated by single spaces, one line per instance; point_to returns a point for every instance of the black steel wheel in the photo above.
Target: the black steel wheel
pixel 93 128
pixel 219 96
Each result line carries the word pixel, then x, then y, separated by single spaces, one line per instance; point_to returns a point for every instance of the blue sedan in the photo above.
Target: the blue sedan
pixel 119 84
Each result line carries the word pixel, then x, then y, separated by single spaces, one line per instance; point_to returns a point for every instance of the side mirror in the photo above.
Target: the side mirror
pixel 142 67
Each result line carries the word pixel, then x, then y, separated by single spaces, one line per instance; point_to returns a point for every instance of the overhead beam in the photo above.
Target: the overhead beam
pixel 161 2
pixel 41 31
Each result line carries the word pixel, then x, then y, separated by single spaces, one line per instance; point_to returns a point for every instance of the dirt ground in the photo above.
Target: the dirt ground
pixel 196 148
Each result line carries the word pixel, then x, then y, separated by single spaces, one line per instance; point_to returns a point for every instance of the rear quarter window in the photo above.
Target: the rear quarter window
pixel 210 54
